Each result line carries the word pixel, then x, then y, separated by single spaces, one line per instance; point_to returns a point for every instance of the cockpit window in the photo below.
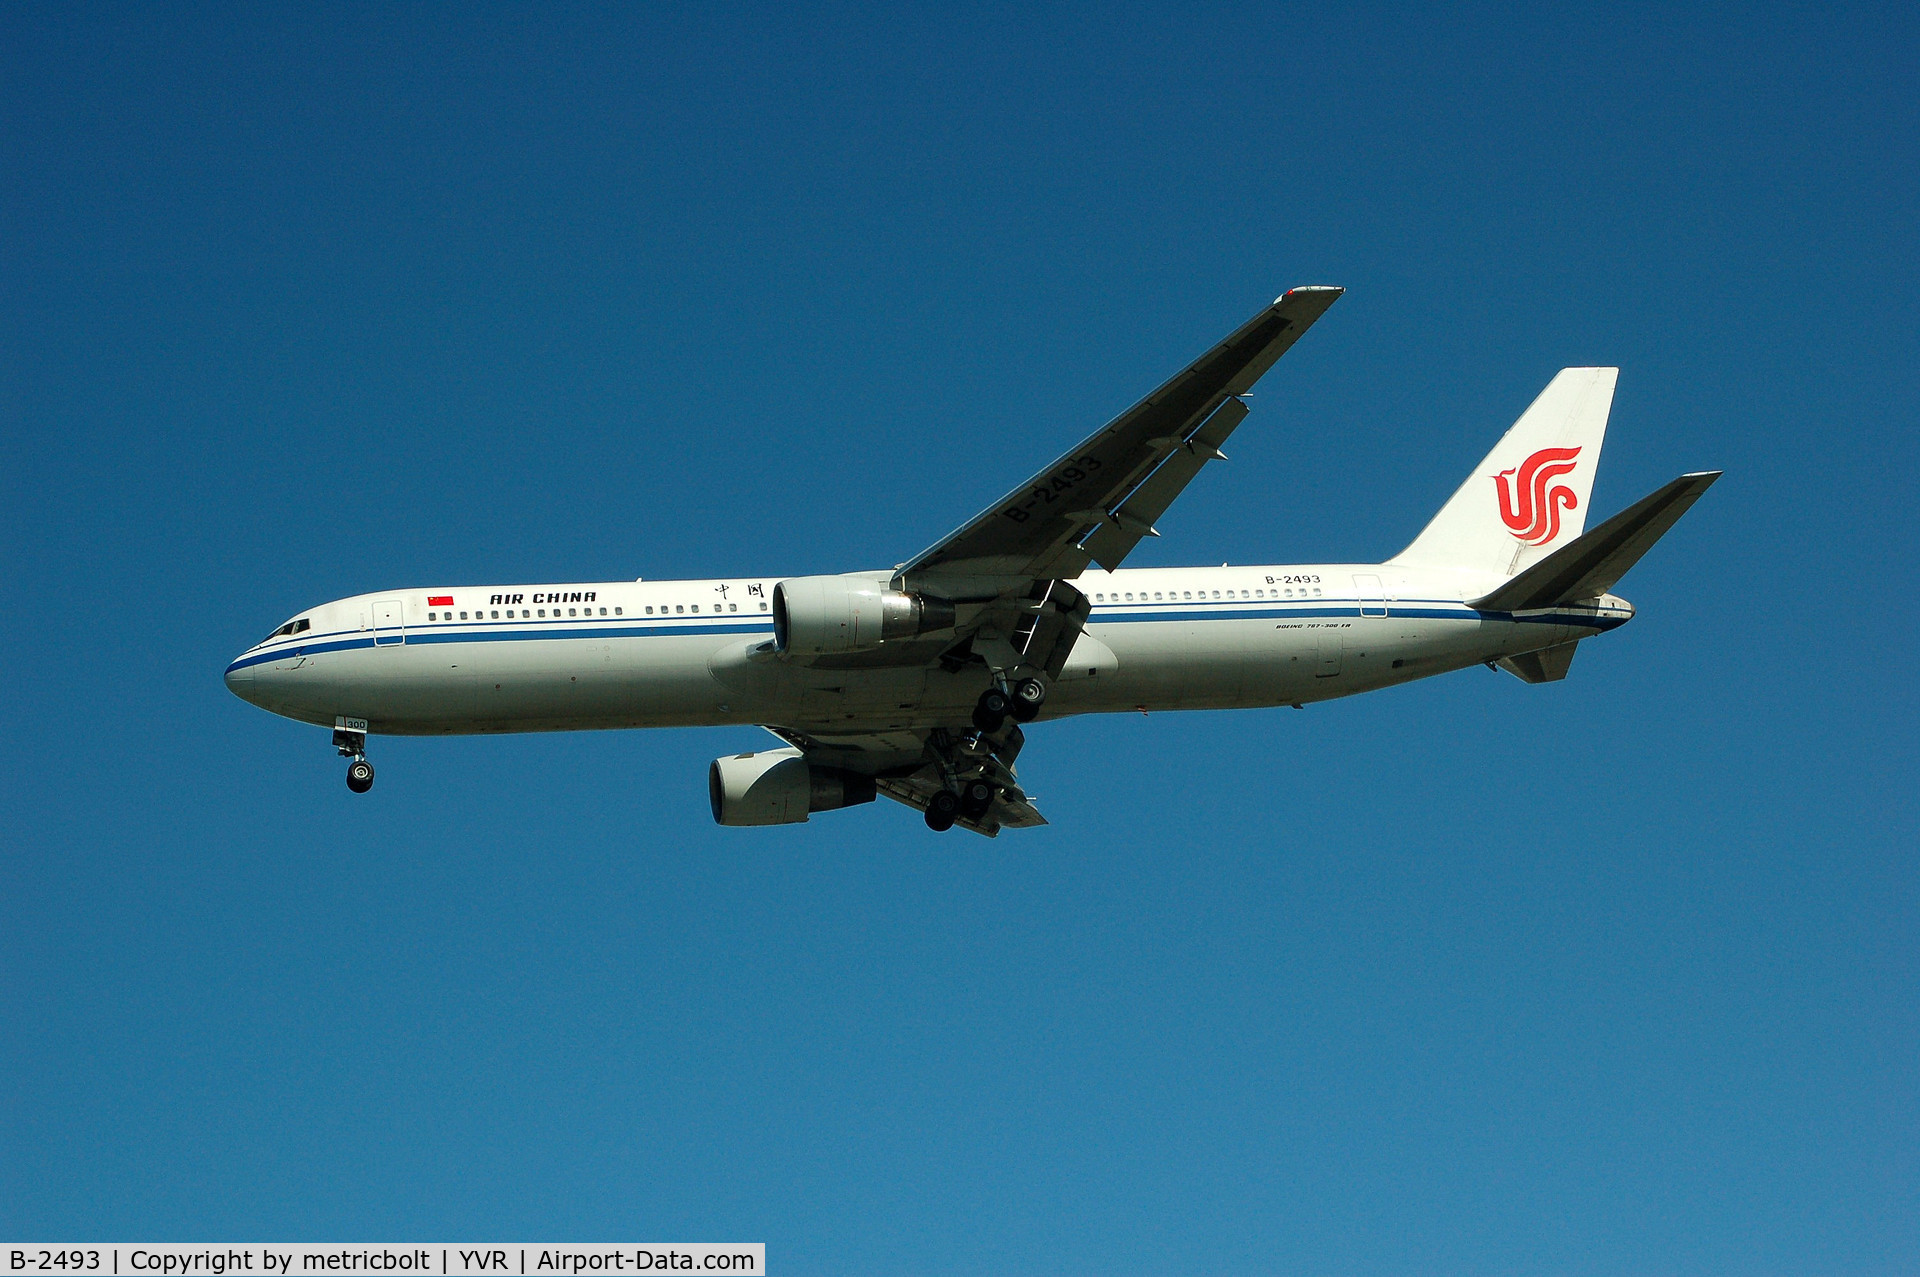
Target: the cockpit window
pixel 300 626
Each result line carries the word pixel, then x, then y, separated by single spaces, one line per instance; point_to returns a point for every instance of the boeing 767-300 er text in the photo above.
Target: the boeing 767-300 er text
pixel 914 682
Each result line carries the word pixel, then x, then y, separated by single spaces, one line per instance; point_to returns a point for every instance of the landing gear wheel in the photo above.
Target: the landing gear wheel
pixel 1029 694
pixel 942 810
pixel 360 776
pixel 992 710
pixel 975 797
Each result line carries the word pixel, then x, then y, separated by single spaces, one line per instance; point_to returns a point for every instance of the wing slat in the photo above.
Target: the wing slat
pixel 1112 541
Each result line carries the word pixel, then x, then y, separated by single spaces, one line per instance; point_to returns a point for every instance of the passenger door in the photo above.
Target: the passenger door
pixel 1373 597
pixel 389 625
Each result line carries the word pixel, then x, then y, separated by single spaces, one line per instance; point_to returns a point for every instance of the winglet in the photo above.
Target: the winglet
pixel 1335 289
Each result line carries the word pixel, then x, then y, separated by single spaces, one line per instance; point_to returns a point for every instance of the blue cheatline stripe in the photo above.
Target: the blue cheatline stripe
pixel 418 637
pixel 471 633
pixel 1266 610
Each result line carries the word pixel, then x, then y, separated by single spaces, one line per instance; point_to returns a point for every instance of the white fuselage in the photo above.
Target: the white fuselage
pixel 699 653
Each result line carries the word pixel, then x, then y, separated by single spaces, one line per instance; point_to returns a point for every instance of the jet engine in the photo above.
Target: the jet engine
pixel 777 787
pixel 829 615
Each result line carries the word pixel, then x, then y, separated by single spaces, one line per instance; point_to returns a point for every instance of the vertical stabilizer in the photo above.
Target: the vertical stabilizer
pixel 1529 496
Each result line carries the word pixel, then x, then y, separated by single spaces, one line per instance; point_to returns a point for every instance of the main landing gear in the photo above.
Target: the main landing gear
pixel 942 810
pixel 350 738
pixel 973 797
pixel 970 802
pixel 998 703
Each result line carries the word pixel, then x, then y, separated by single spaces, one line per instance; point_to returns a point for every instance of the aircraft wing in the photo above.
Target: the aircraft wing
pixel 1095 502
pixel 1009 571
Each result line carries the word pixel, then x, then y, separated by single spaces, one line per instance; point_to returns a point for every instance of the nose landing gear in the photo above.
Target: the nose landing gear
pixel 350 738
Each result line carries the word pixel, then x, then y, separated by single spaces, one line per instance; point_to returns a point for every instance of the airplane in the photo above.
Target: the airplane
pixel 918 682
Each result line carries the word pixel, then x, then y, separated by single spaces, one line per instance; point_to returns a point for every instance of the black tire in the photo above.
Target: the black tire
pixel 976 796
pixel 1029 694
pixel 991 711
pixel 942 809
pixel 360 776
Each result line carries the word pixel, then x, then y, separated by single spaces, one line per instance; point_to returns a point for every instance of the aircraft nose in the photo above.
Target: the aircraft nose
pixel 240 680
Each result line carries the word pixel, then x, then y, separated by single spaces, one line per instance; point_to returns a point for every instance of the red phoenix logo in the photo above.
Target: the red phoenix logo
pixel 1529 508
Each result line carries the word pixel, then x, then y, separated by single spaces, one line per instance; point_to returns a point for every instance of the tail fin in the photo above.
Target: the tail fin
pixel 1530 494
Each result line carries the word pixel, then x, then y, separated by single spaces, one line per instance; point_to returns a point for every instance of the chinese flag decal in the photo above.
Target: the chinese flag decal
pixel 440 600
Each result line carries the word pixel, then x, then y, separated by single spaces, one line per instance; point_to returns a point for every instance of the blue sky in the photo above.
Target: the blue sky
pixel 1618 974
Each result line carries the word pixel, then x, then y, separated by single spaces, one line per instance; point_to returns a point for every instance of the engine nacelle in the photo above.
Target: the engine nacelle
pixel 828 615
pixel 777 787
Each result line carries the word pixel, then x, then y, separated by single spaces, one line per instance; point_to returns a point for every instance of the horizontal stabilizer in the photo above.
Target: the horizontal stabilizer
pixel 1548 665
pixel 1589 565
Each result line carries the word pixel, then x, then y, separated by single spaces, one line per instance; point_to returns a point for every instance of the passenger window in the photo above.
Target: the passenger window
pixel 763 605
pixel 1188 594
pixel 733 607
pixel 1129 596
pixel 680 607
pixel 603 611
pixel 463 616
pixel 543 611
pixel 1156 596
pixel 696 607
pixel 618 612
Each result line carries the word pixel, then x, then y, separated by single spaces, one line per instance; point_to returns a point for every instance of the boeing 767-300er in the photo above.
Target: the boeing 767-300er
pixel 915 682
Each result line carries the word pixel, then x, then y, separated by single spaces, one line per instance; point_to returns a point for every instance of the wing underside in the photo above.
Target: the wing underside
pixel 910 767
